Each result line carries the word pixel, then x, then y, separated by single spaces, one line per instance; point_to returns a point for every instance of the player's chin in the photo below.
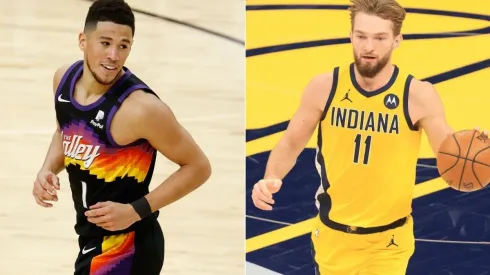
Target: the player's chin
pixel 107 79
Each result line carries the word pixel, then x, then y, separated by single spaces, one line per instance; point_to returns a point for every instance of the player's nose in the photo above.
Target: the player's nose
pixel 368 46
pixel 113 54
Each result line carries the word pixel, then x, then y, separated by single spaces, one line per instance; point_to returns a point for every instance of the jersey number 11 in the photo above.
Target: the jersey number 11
pixel 357 149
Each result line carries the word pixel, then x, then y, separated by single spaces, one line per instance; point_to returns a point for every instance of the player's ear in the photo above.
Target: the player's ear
pixel 350 36
pixel 82 40
pixel 398 41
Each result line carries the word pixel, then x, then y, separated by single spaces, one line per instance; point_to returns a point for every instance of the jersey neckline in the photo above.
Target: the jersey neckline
pixel 77 76
pixel 375 92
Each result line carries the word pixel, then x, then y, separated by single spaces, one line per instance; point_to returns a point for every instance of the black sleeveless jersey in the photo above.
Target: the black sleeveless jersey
pixel 99 169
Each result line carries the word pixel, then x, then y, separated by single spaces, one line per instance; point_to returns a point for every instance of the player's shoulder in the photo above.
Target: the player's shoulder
pixel 143 104
pixel 58 75
pixel 323 80
pixel 143 111
pixel 319 88
pixel 321 83
pixel 421 90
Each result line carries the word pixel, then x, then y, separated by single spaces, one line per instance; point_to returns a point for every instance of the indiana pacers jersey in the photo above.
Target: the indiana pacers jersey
pixel 98 168
pixel 367 152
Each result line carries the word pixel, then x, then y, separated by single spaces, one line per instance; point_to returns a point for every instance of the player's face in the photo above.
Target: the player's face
pixel 106 50
pixel 373 41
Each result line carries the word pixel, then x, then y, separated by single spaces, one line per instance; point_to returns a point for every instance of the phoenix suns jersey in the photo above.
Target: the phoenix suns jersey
pixel 99 169
pixel 367 152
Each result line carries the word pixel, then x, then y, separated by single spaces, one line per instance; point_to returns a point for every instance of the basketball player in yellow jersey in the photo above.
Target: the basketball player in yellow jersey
pixel 370 115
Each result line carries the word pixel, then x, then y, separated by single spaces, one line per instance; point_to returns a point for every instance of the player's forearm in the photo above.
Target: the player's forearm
pixel 437 131
pixel 182 182
pixel 54 160
pixel 281 160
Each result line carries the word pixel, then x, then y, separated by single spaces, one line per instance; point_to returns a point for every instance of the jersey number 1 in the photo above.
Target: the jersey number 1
pixel 357 149
pixel 84 194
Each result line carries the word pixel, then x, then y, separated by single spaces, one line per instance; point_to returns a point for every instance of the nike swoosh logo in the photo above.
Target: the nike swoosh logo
pixel 87 251
pixel 61 99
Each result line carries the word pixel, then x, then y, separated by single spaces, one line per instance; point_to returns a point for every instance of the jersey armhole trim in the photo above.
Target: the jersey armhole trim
pixel 63 79
pixel 406 93
pixel 113 111
pixel 332 92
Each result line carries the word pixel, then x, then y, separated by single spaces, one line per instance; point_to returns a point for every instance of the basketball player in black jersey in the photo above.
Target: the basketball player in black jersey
pixel 110 126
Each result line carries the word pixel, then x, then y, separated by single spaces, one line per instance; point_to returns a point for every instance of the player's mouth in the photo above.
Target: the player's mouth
pixel 109 67
pixel 368 57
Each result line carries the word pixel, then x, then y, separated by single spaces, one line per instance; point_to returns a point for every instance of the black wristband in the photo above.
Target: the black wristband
pixel 142 207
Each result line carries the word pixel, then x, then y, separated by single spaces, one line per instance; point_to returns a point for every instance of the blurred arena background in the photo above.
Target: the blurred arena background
pixel 287 42
pixel 196 68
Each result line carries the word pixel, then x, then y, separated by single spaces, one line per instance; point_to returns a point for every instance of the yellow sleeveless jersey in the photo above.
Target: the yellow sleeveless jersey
pixel 367 152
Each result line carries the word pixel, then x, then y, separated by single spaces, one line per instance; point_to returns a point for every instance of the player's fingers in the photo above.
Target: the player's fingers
pixel 42 194
pixel 48 186
pixel 261 205
pixel 256 197
pixel 264 188
pixel 101 204
pixel 98 220
pixel 97 212
pixel 41 203
pixel 38 188
pixel 259 195
pixel 55 181
pixel 46 196
pixel 108 227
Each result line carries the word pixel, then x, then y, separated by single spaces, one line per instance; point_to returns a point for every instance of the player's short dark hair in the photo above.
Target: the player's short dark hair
pixel 115 11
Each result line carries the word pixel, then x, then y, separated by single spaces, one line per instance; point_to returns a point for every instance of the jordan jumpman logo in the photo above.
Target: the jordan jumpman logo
pixel 392 242
pixel 346 97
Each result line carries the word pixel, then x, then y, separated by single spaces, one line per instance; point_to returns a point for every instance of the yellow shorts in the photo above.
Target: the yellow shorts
pixel 384 253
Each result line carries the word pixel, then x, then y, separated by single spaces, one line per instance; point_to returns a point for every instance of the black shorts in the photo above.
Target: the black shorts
pixel 139 252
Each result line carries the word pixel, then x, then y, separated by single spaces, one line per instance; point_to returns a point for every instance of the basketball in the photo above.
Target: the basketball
pixel 463 160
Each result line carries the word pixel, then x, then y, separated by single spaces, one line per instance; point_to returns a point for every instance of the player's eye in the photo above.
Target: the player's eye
pixel 105 43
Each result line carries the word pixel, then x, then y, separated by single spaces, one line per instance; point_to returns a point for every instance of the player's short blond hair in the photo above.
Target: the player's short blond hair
pixel 386 9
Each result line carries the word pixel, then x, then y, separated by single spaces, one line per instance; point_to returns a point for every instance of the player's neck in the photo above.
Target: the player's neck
pixel 380 80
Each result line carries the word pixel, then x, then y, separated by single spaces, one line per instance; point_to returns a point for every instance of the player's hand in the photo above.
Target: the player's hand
pixel 112 216
pixel 484 132
pixel 262 193
pixel 45 187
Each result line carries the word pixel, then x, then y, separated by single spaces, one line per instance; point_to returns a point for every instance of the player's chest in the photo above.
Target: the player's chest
pixel 82 146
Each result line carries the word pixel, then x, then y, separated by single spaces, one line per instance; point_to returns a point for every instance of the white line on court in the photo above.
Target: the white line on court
pixel 426 166
pixel 454 242
pixel 267 220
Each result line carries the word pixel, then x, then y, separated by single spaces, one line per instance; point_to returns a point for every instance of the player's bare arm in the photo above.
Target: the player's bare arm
pixel 47 182
pixel 300 129
pixel 158 125
pixel 427 112
pixel 144 116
